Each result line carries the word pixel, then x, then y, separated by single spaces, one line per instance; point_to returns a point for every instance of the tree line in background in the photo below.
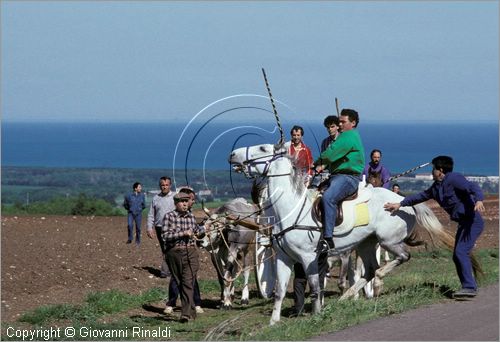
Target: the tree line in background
pixel 100 192
pixel 91 191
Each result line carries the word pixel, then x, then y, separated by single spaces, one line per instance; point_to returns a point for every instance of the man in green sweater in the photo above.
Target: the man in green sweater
pixel 345 159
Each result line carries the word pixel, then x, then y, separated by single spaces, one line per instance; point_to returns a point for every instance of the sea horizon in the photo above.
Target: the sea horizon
pixel 207 145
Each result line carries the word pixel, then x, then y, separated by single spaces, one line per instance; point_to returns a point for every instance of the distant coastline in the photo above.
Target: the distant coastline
pixel 154 145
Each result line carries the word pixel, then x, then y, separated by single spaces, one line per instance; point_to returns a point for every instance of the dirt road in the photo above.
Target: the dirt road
pixel 473 320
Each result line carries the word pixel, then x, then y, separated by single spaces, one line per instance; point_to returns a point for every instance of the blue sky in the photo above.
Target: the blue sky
pixel 165 61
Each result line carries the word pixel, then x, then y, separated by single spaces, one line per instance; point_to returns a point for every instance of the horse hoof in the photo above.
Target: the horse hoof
pixel 244 302
pixel 226 307
pixel 272 322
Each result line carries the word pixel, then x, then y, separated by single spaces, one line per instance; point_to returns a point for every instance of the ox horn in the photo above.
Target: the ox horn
pixel 282 135
pixel 205 209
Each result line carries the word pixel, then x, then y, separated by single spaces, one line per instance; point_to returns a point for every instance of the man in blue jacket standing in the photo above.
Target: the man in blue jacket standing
pixel 135 203
pixel 462 200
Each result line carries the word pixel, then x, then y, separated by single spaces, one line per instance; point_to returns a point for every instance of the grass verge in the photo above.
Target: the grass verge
pixel 429 277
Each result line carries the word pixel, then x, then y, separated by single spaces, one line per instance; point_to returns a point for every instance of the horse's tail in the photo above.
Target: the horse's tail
pixel 439 236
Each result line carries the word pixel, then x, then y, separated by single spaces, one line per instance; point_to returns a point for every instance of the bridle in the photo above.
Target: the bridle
pixel 250 163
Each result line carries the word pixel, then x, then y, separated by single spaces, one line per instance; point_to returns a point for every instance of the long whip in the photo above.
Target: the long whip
pixel 337 106
pixel 409 171
pixel 282 135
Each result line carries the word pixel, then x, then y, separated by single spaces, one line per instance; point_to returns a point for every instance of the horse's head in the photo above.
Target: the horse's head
pixel 375 178
pixel 255 160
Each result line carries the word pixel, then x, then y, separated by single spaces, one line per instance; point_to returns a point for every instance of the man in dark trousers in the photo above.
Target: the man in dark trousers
pixel 162 203
pixel 463 201
pixel 179 233
pixel 134 203
pixel 173 287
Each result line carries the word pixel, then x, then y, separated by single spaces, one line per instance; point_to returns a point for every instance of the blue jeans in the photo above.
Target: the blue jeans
pixel 137 218
pixel 467 233
pixel 340 187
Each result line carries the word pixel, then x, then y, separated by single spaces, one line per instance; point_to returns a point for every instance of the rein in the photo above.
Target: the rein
pixel 220 233
pixel 249 163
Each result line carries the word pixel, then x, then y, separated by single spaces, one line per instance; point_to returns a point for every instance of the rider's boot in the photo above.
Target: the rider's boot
pixel 325 245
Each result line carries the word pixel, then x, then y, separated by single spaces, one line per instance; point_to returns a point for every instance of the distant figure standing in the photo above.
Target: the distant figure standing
pixel 377 174
pixel 161 204
pixel 463 201
pixel 135 203
pixel 397 189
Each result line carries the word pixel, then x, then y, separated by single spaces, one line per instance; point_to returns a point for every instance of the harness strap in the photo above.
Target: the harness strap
pixel 298 226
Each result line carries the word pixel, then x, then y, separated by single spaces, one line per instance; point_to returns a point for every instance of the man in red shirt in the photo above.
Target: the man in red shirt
pixel 303 161
pixel 302 155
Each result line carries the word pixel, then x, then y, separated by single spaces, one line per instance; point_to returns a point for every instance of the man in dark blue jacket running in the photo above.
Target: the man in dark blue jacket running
pixel 462 200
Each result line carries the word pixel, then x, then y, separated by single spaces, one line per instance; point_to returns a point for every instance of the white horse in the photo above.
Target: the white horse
pixel 297 230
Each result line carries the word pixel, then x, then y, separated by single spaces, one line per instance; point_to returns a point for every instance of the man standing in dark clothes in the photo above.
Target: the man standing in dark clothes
pixel 134 203
pixel 463 201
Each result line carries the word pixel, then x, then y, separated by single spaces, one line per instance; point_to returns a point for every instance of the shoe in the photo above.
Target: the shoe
pixel 129 241
pixel 465 293
pixel 168 310
pixel 184 319
pixel 198 309
pixel 163 275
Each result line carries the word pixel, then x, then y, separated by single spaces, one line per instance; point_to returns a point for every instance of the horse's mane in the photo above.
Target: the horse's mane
pixel 296 177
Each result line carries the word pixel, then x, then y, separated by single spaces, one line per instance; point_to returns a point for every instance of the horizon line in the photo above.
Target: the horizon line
pixel 305 121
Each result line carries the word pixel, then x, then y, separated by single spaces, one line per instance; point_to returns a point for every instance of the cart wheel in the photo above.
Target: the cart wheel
pixel 265 266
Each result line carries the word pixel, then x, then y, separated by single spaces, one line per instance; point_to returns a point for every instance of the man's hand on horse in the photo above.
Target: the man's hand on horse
pixel 320 168
pixel 392 207
pixel 479 206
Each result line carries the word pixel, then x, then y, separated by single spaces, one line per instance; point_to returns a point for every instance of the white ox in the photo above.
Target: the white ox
pixel 230 247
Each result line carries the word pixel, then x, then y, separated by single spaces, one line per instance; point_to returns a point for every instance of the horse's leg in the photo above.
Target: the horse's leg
pixel 283 272
pixel 369 288
pixel 387 257
pixel 366 253
pixel 247 260
pixel 401 256
pixel 359 270
pixel 311 268
pixel 345 271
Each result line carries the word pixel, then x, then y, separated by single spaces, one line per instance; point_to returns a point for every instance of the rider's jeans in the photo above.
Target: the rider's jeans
pixel 340 187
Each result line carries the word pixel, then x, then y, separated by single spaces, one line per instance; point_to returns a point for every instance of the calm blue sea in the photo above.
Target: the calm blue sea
pixel 159 145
